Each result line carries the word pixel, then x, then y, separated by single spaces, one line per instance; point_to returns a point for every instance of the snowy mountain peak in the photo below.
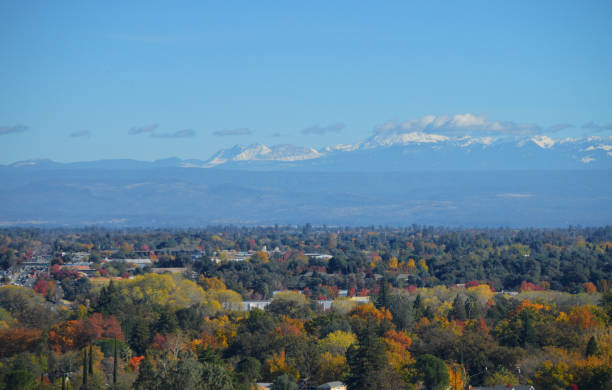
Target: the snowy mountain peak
pixel 543 141
pixel 386 139
pixel 260 152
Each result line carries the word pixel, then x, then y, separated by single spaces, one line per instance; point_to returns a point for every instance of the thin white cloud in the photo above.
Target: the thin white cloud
pixel 4 130
pixel 558 127
pixel 80 133
pixel 322 130
pixel 230 132
pixel 515 195
pixel 151 131
pixel 597 127
pixel 147 129
pixel 187 133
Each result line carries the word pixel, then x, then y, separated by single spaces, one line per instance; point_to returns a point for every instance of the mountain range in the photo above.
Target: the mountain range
pixel 390 178
pixel 392 151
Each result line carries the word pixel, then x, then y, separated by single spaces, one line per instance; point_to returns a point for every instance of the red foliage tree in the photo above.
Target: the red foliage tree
pixel 99 327
pixel 472 283
pixel 17 340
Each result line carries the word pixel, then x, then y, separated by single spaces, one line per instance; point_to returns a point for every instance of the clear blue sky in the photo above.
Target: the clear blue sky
pixel 86 80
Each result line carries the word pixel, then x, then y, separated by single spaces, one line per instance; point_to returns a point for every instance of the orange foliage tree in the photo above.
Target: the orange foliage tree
pixel 75 334
pixel 369 311
pixel 17 340
pixel 396 347
pixel 67 336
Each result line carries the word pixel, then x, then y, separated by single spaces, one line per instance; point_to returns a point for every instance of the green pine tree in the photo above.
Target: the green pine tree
pixel 85 367
pixel 90 360
pixel 140 336
pixel 146 375
pixel 433 371
pixel 458 311
pixel 382 300
pixel 592 349
pixel 419 308
pixel 366 361
pixel 109 301
pixel 115 365
pixel 528 334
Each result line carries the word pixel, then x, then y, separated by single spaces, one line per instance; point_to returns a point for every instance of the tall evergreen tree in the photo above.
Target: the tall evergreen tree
pixel 592 349
pixel 458 310
pixel 419 308
pixel 146 379
pixel 115 355
pixel 528 334
pixel 85 367
pixel 433 371
pixel 90 360
pixel 109 301
pixel 382 300
pixel 140 336
pixel 366 361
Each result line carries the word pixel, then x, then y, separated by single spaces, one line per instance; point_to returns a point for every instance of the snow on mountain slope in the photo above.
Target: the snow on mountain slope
pixel 260 152
pixel 390 151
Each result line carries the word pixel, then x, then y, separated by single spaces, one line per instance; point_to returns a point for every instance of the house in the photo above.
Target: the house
pixel 231 255
pixel 82 268
pixel 250 305
pixel 139 262
pixel 332 386
pixel 319 256
pixel 325 304
pixel 361 300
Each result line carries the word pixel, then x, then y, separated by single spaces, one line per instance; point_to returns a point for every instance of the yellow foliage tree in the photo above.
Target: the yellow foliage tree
pixel 411 266
pixel 260 256
pixel 229 299
pixel 173 290
pixel 501 377
pixel 456 378
pixel 337 343
pixel 553 376
pixel 423 265
pixel 277 366
pixel 396 349
pixel 392 264
pixel 331 367
pixel 213 283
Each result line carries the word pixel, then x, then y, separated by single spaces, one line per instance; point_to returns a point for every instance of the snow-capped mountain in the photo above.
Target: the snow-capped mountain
pixel 390 178
pixel 259 152
pixel 387 151
pixel 390 150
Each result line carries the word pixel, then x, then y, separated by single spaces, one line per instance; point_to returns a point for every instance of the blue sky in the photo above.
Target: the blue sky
pixel 148 80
